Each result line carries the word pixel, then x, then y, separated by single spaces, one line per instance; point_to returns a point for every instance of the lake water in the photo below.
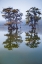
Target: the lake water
pixel 20 46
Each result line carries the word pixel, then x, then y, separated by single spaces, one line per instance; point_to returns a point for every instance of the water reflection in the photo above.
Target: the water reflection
pixel 13 39
pixel 32 38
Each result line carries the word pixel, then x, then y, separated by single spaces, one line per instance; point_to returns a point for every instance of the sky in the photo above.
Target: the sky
pixel 22 5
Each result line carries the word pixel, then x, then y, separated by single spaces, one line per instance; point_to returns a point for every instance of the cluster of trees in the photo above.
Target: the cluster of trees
pixel 13 16
pixel 33 16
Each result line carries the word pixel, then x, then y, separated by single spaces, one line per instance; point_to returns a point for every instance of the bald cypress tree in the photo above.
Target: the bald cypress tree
pixel 33 16
pixel 13 16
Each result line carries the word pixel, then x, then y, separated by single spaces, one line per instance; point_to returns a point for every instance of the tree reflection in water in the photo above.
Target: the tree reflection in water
pixel 13 40
pixel 32 39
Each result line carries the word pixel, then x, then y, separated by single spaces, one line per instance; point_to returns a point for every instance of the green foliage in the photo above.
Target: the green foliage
pixel 32 39
pixel 13 40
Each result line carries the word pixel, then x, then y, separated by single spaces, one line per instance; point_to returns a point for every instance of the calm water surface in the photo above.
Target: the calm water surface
pixel 17 48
